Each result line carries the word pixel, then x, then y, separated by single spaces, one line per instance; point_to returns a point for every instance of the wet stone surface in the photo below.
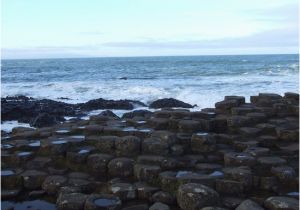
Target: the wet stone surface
pixel 237 155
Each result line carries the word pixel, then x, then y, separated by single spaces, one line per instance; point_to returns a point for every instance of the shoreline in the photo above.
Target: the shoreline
pixel 165 159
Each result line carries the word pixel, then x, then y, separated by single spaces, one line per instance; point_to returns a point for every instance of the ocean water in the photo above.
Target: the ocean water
pixel 201 80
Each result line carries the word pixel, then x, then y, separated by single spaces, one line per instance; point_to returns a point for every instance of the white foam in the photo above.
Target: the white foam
pixel 7 126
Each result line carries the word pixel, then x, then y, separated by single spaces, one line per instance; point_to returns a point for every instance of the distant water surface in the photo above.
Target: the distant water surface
pixel 201 80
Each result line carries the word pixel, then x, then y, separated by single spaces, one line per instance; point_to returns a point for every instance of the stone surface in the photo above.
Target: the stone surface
pixel 281 203
pixel 193 196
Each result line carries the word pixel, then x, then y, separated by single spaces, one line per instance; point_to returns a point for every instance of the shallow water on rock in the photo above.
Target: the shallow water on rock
pixel 83 151
pixel 24 153
pixel 7 146
pixel 62 131
pixel 105 202
pixel 201 134
pixel 129 129
pixel 35 144
pixel 7 172
pixel 78 137
pixel 59 142
pixel 28 205
pixel 217 174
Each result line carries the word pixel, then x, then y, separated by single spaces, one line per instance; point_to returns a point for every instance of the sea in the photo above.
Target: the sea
pixel 201 80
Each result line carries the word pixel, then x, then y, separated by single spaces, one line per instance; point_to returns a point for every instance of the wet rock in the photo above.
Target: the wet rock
pixel 189 126
pixel 108 104
pixel 36 193
pixel 74 201
pixel 121 167
pixel 193 196
pixel 226 105
pixel 105 144
pixel 83 185
pixel 268 183
pixel 158 123
pixel 52 184
pixel 33 179
pixel 240 174
pixel 229 187
pixel 257 151
pixel 238 159
pixel 284 173
pixel 137 207
pixel 97 163
pixel 159 206
pixel 103 202
pixel 271 161
pixel 10 179
pixel 59 147
pixel 154 146
pixel 249 205
pixel 231 202
pixel 124 191
pixel 203 142
pixel 25 109
pixel 145 191
pixel 128 146
pixel 137 113
pixel 213 208
pixel 250 131
pixel 79 156
pixel 146 173
pixel 9 194
pixel 281 203
pixel 169 102
pixel 163 197
pixel 44 120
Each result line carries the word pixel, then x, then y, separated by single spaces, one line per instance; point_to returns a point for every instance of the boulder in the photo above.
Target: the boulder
pixel 281 203
pixel 159 206
pixel 249 205
pixel 44 120
pixel 109 104
pixel 168 103
pixel 194 196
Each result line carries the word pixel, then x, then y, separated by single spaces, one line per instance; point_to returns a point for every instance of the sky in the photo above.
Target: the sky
pixel 101 28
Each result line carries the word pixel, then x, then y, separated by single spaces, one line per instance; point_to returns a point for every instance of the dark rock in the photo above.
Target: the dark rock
pixel 97 163
pixel 163 197
pixel 128 146
pixel 124 191
pixel 52 184
pixel 168 103
pixel 146 173
pixel 121 167
pixel 193 196
pixel 281 203
pixel 137 113
pixel 159 206
pixel 33 179
pixel 74 201
pixel 137 207
pixel 44 120
pixel 249 205
pixel 109 104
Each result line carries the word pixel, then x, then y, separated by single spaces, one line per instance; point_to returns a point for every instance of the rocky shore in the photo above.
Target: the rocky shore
pixel 238 155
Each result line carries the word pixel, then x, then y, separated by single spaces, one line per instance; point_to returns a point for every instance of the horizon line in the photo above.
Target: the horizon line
pixel 141 56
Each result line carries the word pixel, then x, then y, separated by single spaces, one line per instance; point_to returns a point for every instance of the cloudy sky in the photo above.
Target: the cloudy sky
pixel 81 28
